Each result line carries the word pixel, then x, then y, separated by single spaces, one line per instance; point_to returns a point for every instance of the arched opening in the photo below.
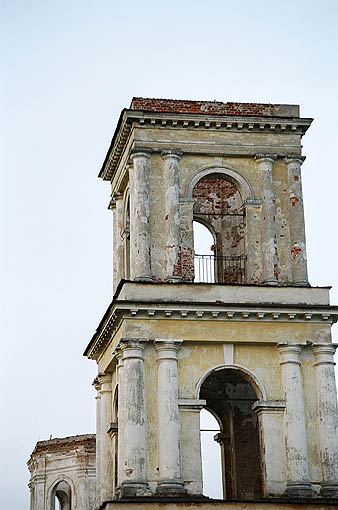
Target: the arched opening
pixel 62 496
pixel 230 396
pixel 211 456
pixel 219 207
pixel 204 253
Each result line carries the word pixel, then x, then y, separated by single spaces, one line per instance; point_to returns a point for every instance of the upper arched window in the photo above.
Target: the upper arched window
pixel 219 206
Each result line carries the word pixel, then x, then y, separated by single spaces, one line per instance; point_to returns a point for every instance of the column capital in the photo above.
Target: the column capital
pixel 323 354
pixel 96 383
pixel 265 158
pixel 117 353
pixel 105 381
pixel 132 348
pixel 172 154
pixel 294 160
pixel 144 152
pixel 167 348
pixel 289 353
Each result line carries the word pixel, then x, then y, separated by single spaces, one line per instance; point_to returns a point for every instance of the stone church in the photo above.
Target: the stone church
pixel 238 331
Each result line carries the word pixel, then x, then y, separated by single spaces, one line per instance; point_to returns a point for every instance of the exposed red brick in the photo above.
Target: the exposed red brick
pixel 203 107
pixel 57 444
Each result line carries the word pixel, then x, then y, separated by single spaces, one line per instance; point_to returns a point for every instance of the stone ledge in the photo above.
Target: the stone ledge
pixel 155 503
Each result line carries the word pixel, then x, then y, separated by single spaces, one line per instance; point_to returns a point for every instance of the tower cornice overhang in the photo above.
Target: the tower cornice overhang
pixel 129 119
pixel 215 310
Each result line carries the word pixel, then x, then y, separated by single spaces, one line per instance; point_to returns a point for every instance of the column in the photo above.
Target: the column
pixel 168 417
pixel 120 418
pixel 97 386
pixel 106 464
pixel 328 416
pixel 172 214
pixel 268 227
pixel 270 416
pixel 139 216
pixel 133 450
pixel 296 221
pixel 117 206
pixel 297 469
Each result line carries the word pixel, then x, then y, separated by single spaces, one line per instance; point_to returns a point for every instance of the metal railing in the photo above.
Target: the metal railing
pixel 212 268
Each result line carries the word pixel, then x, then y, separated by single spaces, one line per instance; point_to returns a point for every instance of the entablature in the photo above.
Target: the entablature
pixel 198 122
pixel 233 313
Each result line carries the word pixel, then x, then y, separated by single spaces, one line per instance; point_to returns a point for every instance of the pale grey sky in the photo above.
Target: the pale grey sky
pixel 69 67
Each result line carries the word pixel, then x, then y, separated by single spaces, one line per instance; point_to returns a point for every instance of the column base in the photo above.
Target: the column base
pixel 173 279
pixel 133 490
pixel 329 490
pixel 299 490
pixel 301 283
pixel 171 488
pixel 275 283
pixel 144 279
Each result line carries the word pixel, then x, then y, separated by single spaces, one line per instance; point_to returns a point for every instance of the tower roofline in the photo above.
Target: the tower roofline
pixel 200 115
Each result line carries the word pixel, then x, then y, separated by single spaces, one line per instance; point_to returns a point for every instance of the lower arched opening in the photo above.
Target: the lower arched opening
pixel 229 397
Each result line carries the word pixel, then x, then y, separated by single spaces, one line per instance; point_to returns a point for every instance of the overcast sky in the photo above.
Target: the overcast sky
pixel 69 68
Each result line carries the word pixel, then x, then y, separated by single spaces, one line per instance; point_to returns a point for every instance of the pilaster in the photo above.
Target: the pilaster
pixel 253 268
pixel 97 387
pixel 191 455
pixel 118 261
pixel 270 416
pixel 171 159
pixel 187 238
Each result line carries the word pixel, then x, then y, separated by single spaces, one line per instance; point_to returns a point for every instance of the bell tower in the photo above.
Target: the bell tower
pixel 237 331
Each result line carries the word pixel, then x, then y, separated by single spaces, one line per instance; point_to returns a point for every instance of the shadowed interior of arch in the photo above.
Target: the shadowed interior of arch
pixel 62 496
pixel 230 396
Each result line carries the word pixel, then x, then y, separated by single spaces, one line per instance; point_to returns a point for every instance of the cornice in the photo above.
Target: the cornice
pixel 121 310
pixel 233 123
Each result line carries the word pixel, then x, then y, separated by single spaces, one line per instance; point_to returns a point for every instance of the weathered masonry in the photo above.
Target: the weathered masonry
pixel 238 331
pixel 63 474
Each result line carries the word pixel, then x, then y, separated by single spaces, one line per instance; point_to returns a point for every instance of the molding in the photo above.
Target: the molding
pixel 191 405
pixel 236 178
pixel 207 312
pixel 269 407
pixel 247 374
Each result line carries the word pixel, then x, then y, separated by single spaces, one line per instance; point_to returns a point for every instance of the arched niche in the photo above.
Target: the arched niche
pixel 230 393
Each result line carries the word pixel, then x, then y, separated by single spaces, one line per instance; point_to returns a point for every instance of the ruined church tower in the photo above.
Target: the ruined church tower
pixel 238 331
